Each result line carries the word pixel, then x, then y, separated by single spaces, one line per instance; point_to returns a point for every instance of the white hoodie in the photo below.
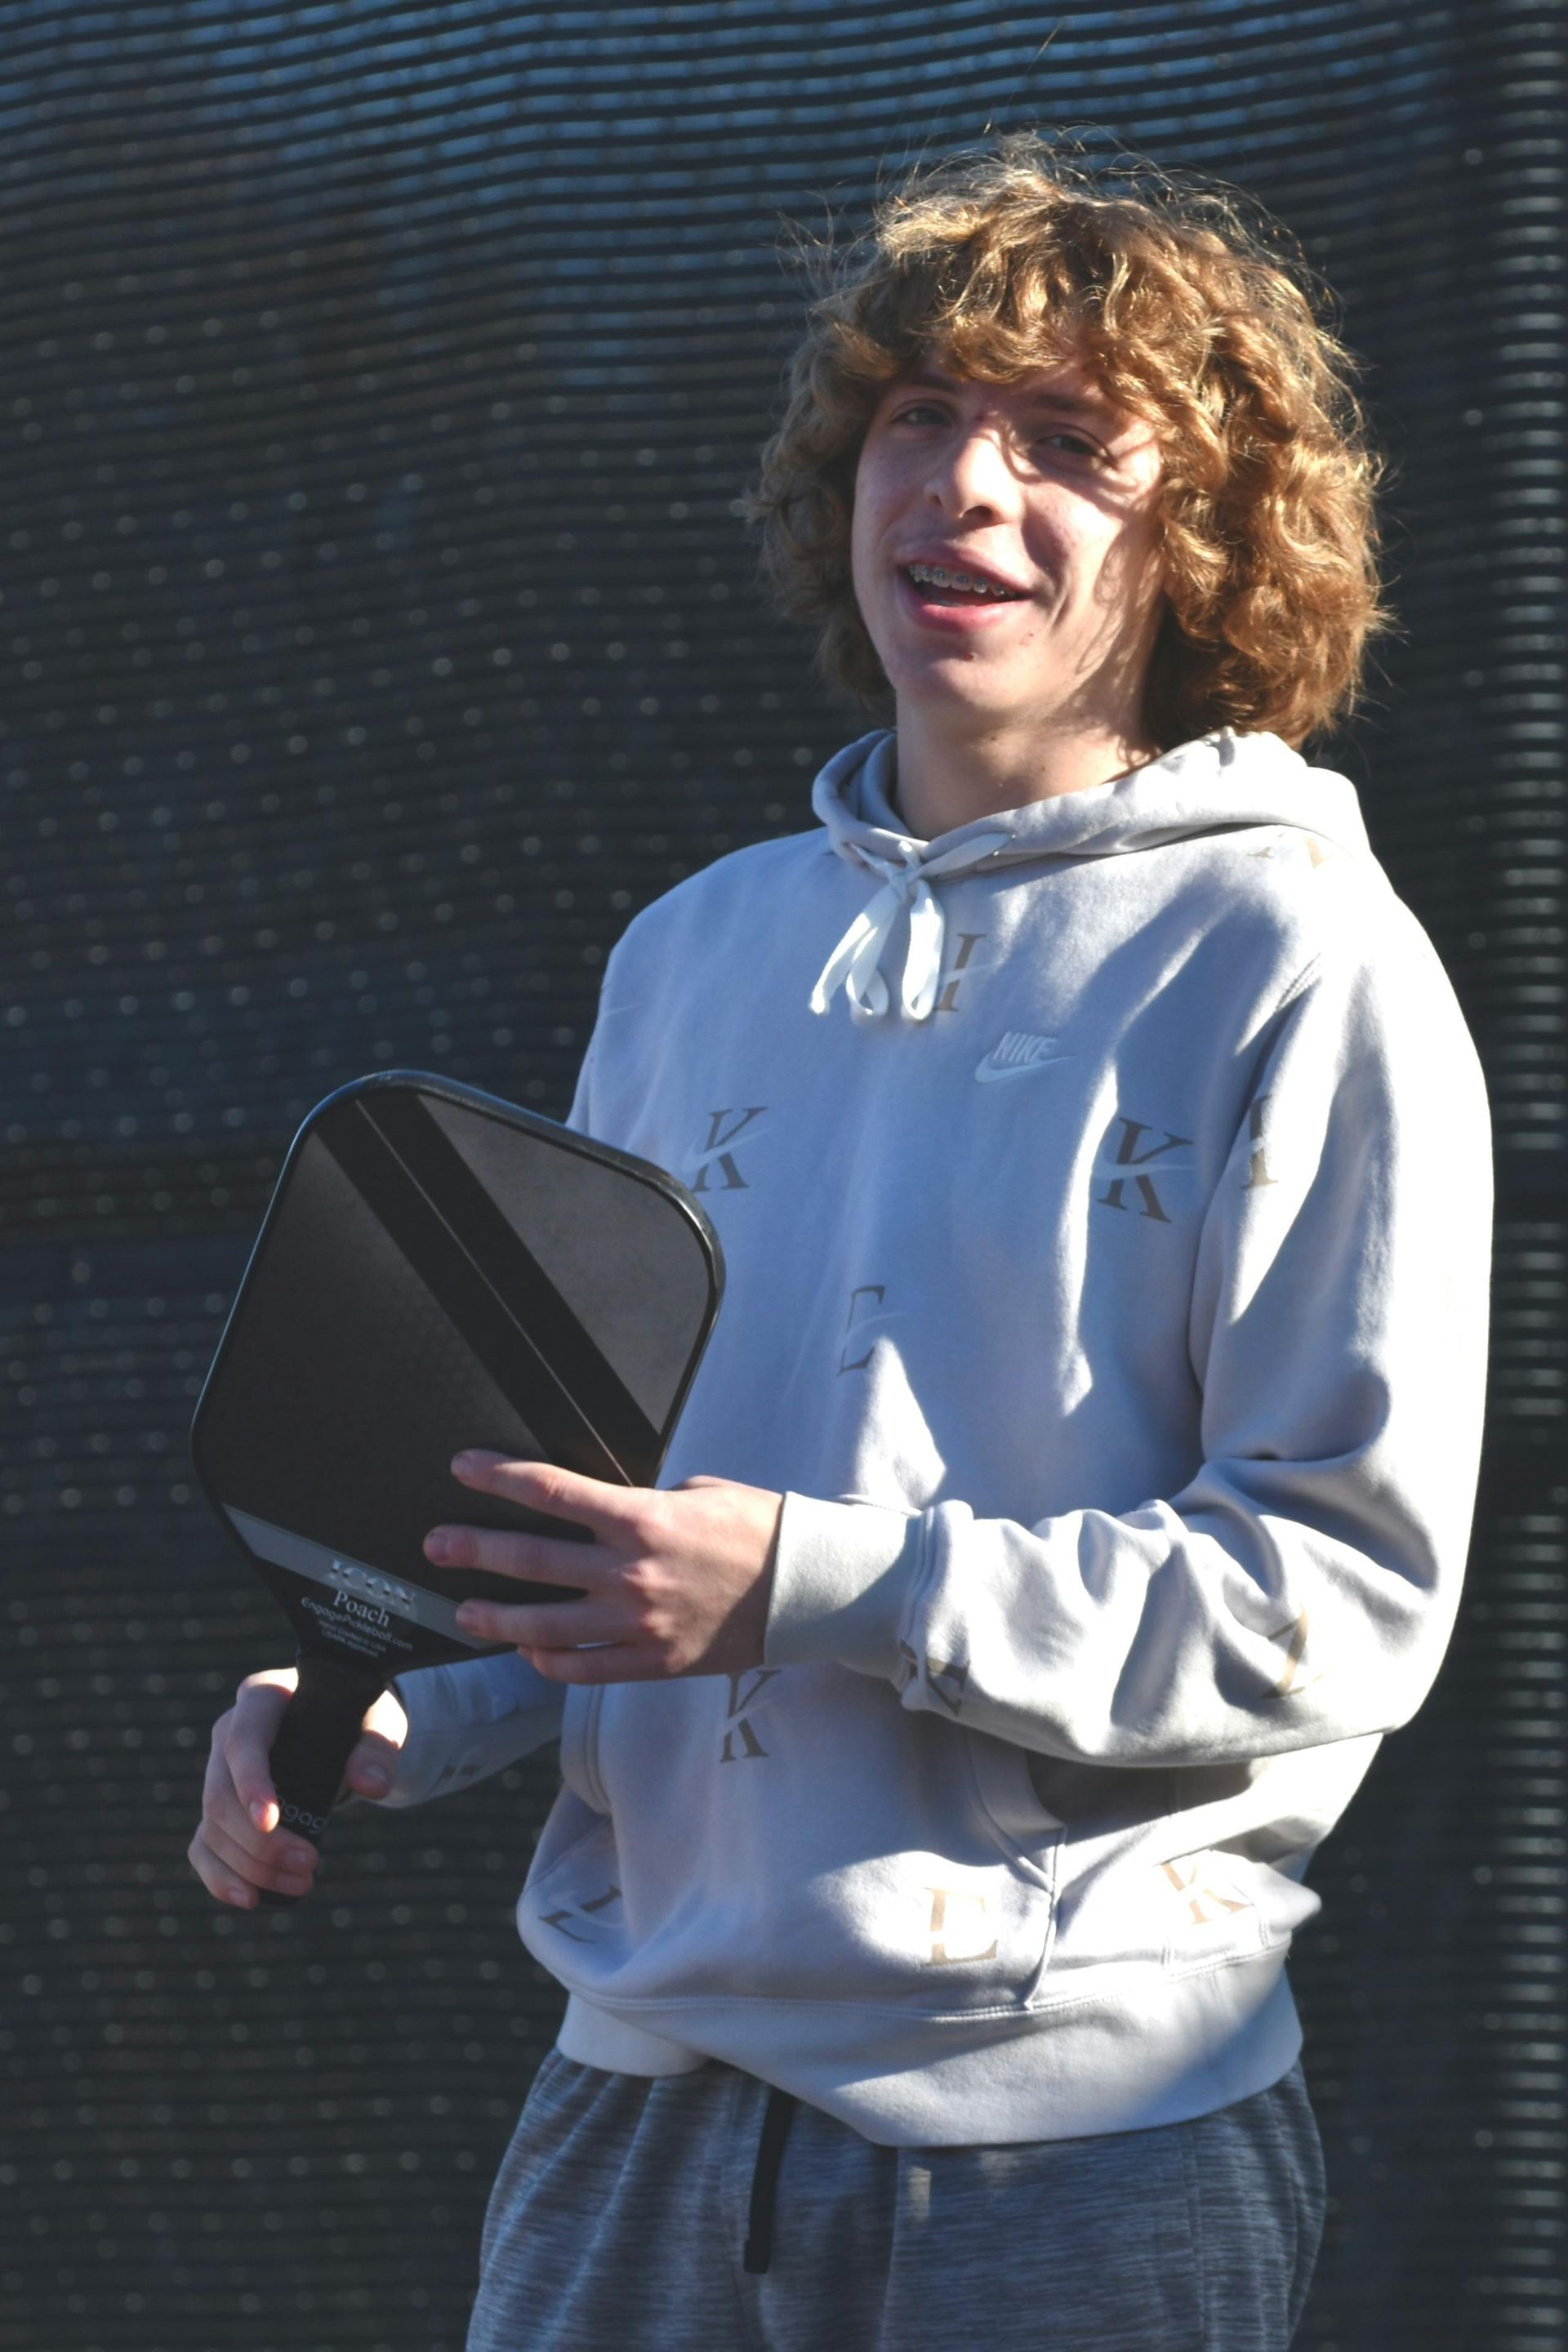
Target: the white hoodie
pixel 1104 1189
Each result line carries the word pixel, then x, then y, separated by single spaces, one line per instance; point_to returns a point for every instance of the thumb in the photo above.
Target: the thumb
pixel 372 1765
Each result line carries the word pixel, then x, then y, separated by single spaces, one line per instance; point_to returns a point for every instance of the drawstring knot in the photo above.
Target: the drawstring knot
pixel 856 963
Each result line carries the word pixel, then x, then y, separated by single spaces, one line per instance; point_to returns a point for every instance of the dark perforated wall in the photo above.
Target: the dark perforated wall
pixel 377 634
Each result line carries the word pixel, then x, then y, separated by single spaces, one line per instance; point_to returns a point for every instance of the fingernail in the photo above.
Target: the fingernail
pixel 373 1780
pixel 469 1618
pixel 438 1545
pixel 463 1464
pixel 264 1816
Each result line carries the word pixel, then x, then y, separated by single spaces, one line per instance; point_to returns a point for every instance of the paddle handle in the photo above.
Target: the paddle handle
pixel 320 1731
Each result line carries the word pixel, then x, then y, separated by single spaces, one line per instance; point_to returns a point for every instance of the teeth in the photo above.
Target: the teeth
pixel 938 576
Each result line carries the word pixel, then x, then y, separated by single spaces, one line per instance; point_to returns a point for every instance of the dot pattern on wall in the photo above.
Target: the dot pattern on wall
pixel 379 636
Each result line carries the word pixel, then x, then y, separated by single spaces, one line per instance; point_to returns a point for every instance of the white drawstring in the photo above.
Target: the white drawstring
pixel 856 960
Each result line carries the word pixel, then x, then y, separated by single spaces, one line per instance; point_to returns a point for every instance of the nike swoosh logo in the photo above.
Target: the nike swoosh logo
pixel 1019 1055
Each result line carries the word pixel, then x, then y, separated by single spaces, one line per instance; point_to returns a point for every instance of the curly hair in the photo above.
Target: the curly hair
pixel 1204 323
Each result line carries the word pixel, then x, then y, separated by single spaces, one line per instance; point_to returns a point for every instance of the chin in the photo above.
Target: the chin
pixel 956 685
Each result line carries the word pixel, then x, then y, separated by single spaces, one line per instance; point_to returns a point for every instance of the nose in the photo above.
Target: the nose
pixel 972 478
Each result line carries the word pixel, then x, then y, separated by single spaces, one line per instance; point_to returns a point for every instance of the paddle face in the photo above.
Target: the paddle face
pixel 439 1270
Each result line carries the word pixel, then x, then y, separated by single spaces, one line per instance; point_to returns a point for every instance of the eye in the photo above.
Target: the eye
pixel 919 411
pixel 1080 444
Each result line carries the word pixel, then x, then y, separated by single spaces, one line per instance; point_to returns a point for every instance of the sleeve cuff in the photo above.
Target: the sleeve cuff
pixel 469 1720
pixel 842 1577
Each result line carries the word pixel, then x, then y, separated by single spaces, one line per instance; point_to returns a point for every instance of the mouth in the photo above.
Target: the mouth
pixel 949 584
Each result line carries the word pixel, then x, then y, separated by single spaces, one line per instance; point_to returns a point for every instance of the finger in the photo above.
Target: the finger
pixel 543 1487
pixel 373 1765
pixel 610 1662
pixel 532 1560
pixel 230 1829
pixel 232 1834
pixel 289 1873
pixel 288 1865
pixel 226 1886
pixel 258 1712
pixel 370 1772
pixel 545 1625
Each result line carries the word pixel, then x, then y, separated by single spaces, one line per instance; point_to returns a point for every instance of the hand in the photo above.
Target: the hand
pixel 676 1581
pixel 238 1846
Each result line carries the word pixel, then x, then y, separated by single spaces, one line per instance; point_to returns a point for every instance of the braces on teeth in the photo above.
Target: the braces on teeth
pixel 937 575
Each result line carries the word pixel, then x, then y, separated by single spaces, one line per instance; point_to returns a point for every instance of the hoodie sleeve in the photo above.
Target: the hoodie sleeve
pixel 1301 1587
pixel 479 1715
pixel 469 1720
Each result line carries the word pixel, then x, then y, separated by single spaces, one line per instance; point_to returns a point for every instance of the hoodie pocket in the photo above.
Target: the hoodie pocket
pixel 935 1895
pixel 852 1852
pixel 1027 1835
pixel 966 1922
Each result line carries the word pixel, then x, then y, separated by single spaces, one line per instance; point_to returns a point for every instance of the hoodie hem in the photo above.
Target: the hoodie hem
pixel 965 2080
pixel 592 2036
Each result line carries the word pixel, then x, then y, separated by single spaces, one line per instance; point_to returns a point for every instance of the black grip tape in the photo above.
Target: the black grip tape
pixel 320 1731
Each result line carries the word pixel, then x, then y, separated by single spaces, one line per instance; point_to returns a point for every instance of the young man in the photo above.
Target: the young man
pixel 1097 1390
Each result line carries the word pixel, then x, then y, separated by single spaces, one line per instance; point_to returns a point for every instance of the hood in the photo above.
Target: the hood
pixel 1216 784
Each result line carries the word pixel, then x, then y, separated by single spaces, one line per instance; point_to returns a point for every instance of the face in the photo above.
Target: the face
pixel 1003 549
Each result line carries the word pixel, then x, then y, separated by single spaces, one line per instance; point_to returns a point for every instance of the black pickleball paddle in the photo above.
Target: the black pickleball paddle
pixel 436 1270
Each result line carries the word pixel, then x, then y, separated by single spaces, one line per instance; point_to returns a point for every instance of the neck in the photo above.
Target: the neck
pixel 951 775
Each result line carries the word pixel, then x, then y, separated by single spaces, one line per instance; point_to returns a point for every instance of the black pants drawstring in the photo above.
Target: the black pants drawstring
pixel 764 2179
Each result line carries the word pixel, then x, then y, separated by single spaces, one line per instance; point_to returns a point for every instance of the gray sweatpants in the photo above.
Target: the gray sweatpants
pixel 620 2217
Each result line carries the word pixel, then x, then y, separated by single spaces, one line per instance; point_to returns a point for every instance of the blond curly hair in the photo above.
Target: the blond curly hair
pixel 1193 310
